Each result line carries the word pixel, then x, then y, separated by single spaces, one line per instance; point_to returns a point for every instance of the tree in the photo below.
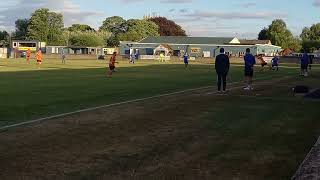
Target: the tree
pixel 279 34
pixel 45 26
pixel 131 30
pixel 55 24
pixel 4 35
pixel 295 44
pixel 80 27
pixel 136 30
pixel 88 38
pixel 65 38
pixel 311 45
pixel 4 38
pixel 21 28
pixel 139 29
pixel 305 34
pixel 311 38
pixel 312 33
pixel 113 41
pixel 130 36
pixel 168 27
pixel 114 24
pixel 39 27
pixel 263 34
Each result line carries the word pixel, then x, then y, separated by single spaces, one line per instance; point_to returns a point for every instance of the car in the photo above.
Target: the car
pixel 23 54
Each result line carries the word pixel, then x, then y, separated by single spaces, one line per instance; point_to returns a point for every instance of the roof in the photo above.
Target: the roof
pixel 81 47
pixel 254 42
pixel 187 40
pixel 165 46
pixel 25 41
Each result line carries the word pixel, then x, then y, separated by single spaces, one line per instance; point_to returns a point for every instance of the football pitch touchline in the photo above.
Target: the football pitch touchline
pixel 115 104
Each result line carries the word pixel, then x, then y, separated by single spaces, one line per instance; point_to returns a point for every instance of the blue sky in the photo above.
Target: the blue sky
pixel 241 18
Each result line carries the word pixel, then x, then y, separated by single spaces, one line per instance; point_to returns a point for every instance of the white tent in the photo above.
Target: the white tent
pixel 162 48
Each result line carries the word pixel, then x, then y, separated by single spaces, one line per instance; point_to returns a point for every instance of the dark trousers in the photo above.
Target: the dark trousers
pixel 222 78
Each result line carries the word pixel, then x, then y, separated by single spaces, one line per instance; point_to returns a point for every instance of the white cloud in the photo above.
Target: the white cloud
pixel 316 3
pixel 18 9
pixel 220 23
pixel 176 1
pixel 249 4
pixel 161 1
pixel 131 1
pixel 235 15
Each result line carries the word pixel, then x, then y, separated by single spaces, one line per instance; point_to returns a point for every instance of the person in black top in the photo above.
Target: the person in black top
pixel 222 65
pixel 311 57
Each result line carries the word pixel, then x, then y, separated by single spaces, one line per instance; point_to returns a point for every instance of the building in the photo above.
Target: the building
pixel 4 51
pixel 198 46
pixel 73 50
pixel 317 53
pixel 20 46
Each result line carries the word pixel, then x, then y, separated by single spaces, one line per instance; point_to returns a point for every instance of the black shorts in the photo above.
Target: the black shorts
pixel 304 66
pixel 264 64
pixel 248 72
pixel 112 67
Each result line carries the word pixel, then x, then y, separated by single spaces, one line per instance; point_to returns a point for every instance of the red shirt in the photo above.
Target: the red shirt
pixel 39 56
pixel 28 53
pixel 112 61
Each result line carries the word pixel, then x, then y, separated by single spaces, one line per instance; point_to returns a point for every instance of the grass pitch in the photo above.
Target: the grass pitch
pixel 30 93
pixel 263 134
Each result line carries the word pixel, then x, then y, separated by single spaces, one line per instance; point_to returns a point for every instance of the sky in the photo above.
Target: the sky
pixel 214 18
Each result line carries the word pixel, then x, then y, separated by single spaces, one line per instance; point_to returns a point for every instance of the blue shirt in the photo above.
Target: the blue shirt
pixel 249 60
pixel 185 58
pixel 305 59
pixel 275 61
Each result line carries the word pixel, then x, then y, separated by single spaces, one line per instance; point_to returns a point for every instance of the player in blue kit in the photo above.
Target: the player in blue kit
pixel 249 61
pixel 185 59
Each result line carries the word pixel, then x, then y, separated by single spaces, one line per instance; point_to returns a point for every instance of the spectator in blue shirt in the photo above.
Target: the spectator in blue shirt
pixel 185 59
pixel 249 62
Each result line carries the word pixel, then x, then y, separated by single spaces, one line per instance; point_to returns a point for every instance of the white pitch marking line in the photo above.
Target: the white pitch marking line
pixel 108 105
pixel 99 107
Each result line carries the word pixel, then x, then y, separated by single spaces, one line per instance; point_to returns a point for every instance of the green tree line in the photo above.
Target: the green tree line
pixel 45 25
pixel 280 35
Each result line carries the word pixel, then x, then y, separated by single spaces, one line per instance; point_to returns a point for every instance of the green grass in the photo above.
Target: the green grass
pixel 262 139
pixel 255 136
pixel 28 93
